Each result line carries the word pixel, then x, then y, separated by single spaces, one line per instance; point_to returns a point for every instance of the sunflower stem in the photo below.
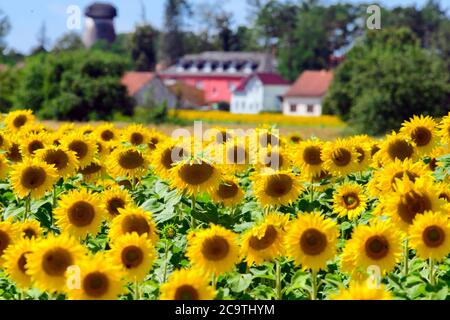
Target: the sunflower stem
pixel 27 207
pixel 278 292
pixel 314 285
pixel 405 257
pixel 137 294
pixel 431 276
pixel 214 280
pixel 166 251
pixel 193 221
pixel 311 193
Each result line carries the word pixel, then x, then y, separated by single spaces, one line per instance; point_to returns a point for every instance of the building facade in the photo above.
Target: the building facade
pixel 304 97
pixel 260 92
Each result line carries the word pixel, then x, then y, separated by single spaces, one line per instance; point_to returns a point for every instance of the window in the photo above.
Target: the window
pixel 310 108
pixel 293 107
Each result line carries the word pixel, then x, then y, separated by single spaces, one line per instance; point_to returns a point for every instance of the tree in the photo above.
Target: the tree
pixel 42 40
pixel 68 41
pixel 143 48
pixel 5 27
pixel 9 81
pixel 387 78
pixel 75 85
pixel 172 46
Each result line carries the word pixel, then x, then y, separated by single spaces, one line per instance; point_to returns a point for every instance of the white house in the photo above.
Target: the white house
pixel 259 92
pixel 304 97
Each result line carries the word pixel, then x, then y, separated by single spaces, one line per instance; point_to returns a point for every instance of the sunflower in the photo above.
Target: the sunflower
pixel 396 147
pixel 135 254
pixel 100 279
pixel 94 171
pixel 362 145
pixel 349 200
pixel 155 139
pixel 32 177
pixel 378 244
pixel 311 240
pixel 412 199
pixel 8 236
pixel 13 153
pixel 219 135
pixel 276 187
pixel 361 291
pixel 15 265
pixel 340 157
pixel 236 154
pixel 214 250
pixel 444 129
pixel 114 199
pixel 430 235
pixel 4 167
pixel 295 138
pixel 63 159
pixel 103 149
pixel 83 146
pixel 166 155
pixel 435 154
pixel 187 284
pixel 15 120
pixel 136 134
pixel 266 137
pixel 422 131
pixel 264 241
pixel 127 162
pixel 133 220
pixel 276 158
pixel 80 213
pixel 308 157
pixel 48 262
pixel 228 193
pixel 30 229
pixel 107 133
pixel 4 140
pixel 33 142
pixel 194 176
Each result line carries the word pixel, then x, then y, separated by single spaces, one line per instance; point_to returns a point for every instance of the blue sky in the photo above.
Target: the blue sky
pixel 26 16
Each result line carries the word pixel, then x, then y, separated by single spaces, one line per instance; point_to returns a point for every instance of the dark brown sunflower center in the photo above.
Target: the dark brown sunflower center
pixel 377 247
pixel 132 257
pixel 107 135
pixel 361 154
pixel 222 137
pixel 58 158
pixel 433 164
pixel 136 138
pixel 375 148
pixel 278 185
pixel 266 241
pixel 99 147
pixel 421 136
pixel 81 214
pixel 134 223
pixel 351 200
pixel 227 190
pixel 215 248
pixel 412 204
pixel 5 240
pixel 20 121
pixel 237 155
pixel 56 261
pixel 22 262
pixel 311 155
pixel 125 183
pixel 313 242
pixel 433 236
pixel 131 160
pixel 95 284
pixel 79 147
pixel 91 168
pixel 267 138
pixel 29 233
pixel 321 176
pixel 186 292
pixel 295 139
pixel 399 175
pixel 400 149
pixel 444 196
pixel 153 142
pixel 35 145
pixel 274 160
pixel 341 157
pixel 33 177
pixel 196 173
pixel 114 204
pixel 14 153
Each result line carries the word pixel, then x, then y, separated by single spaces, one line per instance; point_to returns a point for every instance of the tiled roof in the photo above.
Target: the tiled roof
pixel 265 78
pixel 311 83
pixel 134 80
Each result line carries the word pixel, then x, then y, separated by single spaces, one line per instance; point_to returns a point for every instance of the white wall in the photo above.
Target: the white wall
pixel 250 101
pixel 301 106
pixel 271 94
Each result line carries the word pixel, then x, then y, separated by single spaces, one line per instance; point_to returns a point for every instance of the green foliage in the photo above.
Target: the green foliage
pixel 385 79
pixel 74 85
pixel 143 48
pixel 9 80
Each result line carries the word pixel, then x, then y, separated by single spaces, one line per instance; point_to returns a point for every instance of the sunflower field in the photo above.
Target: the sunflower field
pixel 101 212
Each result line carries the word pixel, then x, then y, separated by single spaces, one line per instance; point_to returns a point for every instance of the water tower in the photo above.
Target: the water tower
pixel 99 23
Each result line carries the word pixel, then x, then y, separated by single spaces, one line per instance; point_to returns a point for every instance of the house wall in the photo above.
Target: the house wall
pixel 250 101
pixel 301 106
pixel 158 92
pixel 272 97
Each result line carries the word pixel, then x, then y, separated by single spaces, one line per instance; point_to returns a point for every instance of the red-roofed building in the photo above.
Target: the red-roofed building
pixel 304 97
pixel 259 92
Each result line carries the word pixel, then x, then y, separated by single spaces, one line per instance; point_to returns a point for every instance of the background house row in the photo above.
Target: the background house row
pixel 246 81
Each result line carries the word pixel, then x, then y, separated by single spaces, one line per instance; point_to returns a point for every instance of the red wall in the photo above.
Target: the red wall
pixel 216 88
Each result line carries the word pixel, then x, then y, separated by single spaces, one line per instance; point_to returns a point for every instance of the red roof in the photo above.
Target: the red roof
pixel 311 84
pixel 265 78
pixel 134 80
